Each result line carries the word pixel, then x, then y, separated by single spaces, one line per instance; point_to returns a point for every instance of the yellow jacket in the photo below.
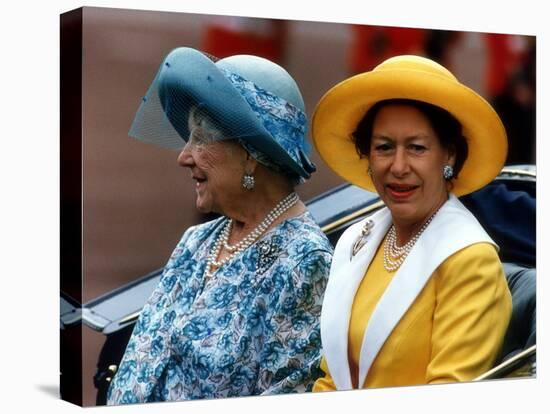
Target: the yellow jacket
pixel 452 330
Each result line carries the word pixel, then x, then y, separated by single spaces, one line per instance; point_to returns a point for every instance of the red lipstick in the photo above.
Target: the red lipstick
pixel 401 191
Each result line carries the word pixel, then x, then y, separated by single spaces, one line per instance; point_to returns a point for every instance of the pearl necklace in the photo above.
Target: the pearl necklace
pixel 223 239
pixel 394 255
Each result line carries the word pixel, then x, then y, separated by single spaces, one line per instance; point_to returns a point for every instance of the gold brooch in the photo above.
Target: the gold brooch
pixel 362 239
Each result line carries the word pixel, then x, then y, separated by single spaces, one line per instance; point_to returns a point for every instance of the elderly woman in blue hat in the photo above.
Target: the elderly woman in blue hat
pixel 237 308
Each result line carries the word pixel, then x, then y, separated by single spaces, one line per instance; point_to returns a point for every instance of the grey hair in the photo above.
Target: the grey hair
pixel 202 127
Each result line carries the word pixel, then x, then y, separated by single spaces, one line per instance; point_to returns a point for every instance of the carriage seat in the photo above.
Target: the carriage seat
pixel 522 330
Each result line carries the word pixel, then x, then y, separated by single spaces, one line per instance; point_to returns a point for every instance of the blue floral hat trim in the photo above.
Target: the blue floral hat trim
pixel 286 124
pixel 272 123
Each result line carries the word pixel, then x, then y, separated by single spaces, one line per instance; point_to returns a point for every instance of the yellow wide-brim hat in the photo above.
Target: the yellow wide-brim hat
pixel 408 77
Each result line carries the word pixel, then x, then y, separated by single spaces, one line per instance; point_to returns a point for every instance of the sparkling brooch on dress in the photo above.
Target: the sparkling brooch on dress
pixel 268 251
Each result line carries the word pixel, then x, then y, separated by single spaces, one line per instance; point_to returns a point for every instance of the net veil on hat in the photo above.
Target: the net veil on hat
pixel 409 77
pixel 248 98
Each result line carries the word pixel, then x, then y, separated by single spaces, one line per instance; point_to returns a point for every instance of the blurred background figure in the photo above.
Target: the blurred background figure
pixel 505 53
pixel 374 44
pixel 439 45
pixel 229 35
pixel 513 94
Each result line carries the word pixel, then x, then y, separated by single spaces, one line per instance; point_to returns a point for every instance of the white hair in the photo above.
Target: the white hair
pixel 202 127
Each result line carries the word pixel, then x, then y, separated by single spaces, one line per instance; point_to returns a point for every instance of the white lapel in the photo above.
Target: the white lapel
pixel 345 277
pixel 429 252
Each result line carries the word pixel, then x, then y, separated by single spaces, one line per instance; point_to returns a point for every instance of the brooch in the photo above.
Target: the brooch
pixel 362 239
pixel 268 251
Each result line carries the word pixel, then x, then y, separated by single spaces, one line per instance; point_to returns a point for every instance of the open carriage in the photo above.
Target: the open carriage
pixel 506 208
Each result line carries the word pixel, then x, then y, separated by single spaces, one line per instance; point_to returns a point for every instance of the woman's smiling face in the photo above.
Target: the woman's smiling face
pixel 407 160
pixel 217 167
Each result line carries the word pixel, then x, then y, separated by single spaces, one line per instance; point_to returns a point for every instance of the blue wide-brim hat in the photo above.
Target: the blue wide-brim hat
pixel 249 98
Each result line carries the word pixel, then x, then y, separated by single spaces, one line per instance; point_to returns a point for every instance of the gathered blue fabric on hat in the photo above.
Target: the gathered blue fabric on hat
pixel 286 123
pixel 249 98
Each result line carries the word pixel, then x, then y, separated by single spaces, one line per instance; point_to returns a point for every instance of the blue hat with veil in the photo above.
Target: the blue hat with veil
pixel 248 98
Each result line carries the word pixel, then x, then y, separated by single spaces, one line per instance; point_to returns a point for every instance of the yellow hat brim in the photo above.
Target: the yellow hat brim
pixel 342 107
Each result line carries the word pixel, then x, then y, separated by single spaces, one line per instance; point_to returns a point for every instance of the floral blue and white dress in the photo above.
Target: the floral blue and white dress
pixel 253 328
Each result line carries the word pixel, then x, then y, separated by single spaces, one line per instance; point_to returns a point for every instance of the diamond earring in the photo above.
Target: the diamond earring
pixel 448 172
pixel 248 181
pixel 369 171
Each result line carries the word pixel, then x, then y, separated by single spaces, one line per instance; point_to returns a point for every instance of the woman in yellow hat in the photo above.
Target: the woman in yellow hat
pixel 416 293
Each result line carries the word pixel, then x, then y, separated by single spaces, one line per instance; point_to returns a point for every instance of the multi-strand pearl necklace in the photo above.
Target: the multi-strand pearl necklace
pixel 394 255
pixel 223 239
